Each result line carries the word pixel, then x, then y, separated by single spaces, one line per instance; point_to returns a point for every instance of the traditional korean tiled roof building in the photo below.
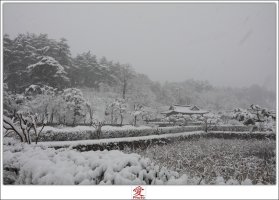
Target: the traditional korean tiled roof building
pixel 184 110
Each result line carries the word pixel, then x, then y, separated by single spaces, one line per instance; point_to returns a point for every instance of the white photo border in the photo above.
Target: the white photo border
pixel 154 192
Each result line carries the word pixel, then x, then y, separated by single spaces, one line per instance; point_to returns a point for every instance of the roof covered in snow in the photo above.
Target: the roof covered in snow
pixel 184 109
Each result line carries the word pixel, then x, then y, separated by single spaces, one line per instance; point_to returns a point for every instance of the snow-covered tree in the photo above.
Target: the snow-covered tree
pixel 118 108
pixel 122 109
pixel 87 71
pixel 211 120
pixel 126 74
pixel 48 72
pixel 75 105
pixel 41 101
pixel 12 102
pixel 136 113
pixel 28 49
pixel 111 110
pixel 140 92
pixel 149 114
pixel 34 90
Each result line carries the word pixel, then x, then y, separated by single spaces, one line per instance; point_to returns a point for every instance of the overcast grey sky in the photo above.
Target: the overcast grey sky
pixel 226 44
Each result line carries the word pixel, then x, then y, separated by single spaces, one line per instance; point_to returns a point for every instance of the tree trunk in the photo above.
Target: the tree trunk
pixel 206 126
pixel 90 113
pixel 99 131
pixel 124 89
pixel 111 120
pixel 74 121
pixel 121 120
pixel 51 117
pixel 135 121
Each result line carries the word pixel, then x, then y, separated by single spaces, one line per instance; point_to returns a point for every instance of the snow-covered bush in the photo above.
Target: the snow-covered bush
pixel 39 166
pixel 261 118
pixel 242 115
pixel 74 108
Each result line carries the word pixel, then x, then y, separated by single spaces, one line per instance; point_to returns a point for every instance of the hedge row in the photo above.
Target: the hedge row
pixel 89 133
pixel 62 135
pixel 144 142
pixel 229 128
pixel 241 135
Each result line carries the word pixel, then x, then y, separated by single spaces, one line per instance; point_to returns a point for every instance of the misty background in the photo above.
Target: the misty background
pixel 222 52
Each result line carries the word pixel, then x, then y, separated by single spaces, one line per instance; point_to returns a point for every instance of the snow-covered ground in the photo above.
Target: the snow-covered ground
pixel 32 164
pixel 44 164
pixel 40 166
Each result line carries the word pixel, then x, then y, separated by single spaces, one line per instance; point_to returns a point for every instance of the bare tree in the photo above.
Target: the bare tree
pixel 126 75
pixel 98 126
pixel 22 126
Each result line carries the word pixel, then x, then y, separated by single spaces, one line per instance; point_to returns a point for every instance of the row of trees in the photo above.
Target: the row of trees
pixel 36 59
pixel 48 104
pixel 69 107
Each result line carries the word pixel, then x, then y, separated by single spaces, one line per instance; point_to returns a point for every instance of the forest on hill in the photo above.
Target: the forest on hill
pixel 31 59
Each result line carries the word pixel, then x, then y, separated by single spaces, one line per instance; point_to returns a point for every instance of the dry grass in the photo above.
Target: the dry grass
pixel 211 158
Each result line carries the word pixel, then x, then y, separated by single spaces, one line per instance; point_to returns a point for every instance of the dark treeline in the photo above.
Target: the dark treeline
pixel 36 59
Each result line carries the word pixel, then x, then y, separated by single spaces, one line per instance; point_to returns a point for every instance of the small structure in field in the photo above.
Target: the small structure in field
pixel 184 110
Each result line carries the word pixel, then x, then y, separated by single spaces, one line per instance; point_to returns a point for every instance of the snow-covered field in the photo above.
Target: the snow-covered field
pixel 230 161
pixel 25 164
pixel 31 164
pixel 164 158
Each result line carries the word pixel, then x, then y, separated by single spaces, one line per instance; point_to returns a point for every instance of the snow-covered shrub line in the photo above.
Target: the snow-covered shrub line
pixel 89 132
pixel 241 135
pixel 120 143
pixel 230 128
pixel 42 166
pixel 145 141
